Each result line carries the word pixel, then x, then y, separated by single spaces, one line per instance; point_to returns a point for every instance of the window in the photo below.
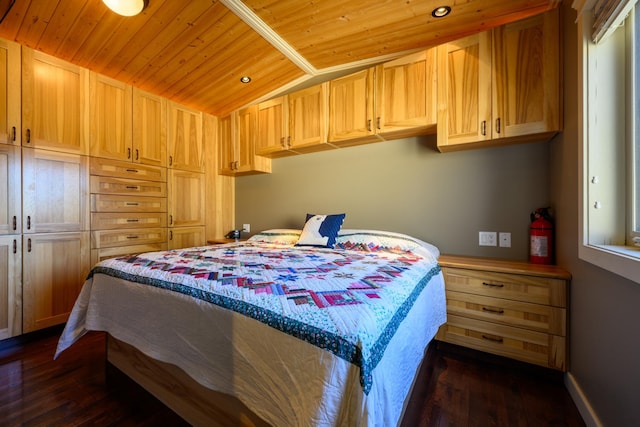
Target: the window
pixel 610 203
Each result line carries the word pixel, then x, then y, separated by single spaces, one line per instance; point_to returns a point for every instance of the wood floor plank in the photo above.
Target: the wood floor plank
pixel 455 387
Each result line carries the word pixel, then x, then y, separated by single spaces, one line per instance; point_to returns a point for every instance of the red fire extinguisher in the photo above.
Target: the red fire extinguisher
pixel 541 236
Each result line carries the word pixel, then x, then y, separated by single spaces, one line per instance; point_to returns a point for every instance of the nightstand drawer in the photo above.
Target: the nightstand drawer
pixel 521 344
pixel 537 317
pixel 517 287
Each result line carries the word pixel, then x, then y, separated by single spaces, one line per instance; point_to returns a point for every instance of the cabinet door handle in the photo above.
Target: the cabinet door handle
pixel 13 133
pixel 378 123
pixel 128 153
pixel 493 310
pixel 493 285
pixel 15 223
pixel 28 222
pixel 170 219
pixel 483 127
pixel 137 154
pixel 498 125
pixel 170 160
pixel 170 234
pixel 28 136
pixel 282 142
pixel 15 246
pixel 492 338
pixel 29 244
pixel 369 125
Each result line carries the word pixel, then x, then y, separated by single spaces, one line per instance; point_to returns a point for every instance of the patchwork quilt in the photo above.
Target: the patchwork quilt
pixel 348 300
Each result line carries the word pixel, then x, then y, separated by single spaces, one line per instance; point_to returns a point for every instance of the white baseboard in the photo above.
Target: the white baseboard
pixel 584 407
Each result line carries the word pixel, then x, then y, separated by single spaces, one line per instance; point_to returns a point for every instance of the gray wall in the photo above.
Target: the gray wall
pixel 604 311
pixel 407 186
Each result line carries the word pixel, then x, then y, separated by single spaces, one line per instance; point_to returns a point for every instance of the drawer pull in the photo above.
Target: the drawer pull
pixel 132 187
pixel 492 338
pixel 131 203
pixel 132 170
pixel 132 237
pixel 132 220
pixel 493 285
pixel 493 310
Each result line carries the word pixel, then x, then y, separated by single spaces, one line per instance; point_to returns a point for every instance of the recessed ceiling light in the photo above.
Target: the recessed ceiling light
pixel 441 12
pixel 245 79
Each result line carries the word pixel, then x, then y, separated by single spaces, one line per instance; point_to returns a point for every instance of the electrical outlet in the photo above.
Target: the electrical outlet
pixel 505 239
pixel 246 228
pixel 488 238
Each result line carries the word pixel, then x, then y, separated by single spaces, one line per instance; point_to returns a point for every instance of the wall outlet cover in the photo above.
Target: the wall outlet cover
pixel 488 238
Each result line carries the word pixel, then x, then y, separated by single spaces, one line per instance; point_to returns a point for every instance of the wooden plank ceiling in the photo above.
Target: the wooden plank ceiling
pixel 194 52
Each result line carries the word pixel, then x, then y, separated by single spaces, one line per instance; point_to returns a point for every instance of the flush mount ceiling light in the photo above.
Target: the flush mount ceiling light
pixel 441 12
pixel 245 79
pixel 126 7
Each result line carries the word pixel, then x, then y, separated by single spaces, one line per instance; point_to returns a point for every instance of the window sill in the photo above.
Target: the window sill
pixel 621 260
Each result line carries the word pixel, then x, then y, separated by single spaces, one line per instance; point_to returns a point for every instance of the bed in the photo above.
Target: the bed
pixel 270 331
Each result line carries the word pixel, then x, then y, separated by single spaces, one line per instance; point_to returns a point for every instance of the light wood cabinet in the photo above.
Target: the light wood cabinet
pixel 10 190
pixel 186 198
pixel 184 138
pixel 55 194
pixel 55 110
pixel 294 124
pixel 237 141
pixel 10 286
pixel 127 123
pixel 128 208
pixel 55 265
pixel 110 130
pixel 185 237
pixel 513 309
pixel 406 96
pixel 500 86
pixel 149 128
pixel 393 100
pixel 10 94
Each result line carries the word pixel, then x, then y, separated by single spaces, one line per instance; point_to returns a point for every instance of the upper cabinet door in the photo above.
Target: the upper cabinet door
pixel 10 93
pixel 54 103
pixel 226 147
pixel 351 108
pixel 308 118
pixel 110 118
pixel 464 90
pixel 406 92
pixel 185 138
pixel 149 128
pixel 526 95
pixel 273 134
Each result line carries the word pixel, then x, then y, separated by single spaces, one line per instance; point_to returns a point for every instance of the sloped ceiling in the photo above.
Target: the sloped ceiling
pixel 194 52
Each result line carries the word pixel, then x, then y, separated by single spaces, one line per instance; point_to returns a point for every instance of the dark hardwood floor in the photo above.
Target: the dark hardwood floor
pixel 456 387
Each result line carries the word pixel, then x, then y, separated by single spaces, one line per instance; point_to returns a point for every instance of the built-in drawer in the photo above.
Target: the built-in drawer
pixel 98 255
pixel 518 287
pixel 538 317
pixel 111 220
pixel 119 169
pixel 520 344
pixel 116 203
pixel 138 236
pixel 124 186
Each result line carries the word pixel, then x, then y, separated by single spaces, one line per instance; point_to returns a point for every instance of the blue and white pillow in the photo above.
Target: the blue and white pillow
pixel 321 230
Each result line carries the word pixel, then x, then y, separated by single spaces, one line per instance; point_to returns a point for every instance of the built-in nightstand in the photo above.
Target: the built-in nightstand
pixel 509 308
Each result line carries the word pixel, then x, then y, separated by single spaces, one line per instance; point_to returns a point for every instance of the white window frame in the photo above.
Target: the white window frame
pixel 601 120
